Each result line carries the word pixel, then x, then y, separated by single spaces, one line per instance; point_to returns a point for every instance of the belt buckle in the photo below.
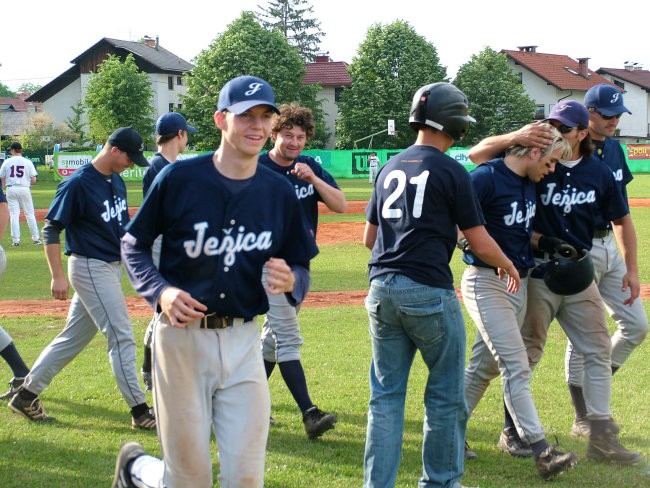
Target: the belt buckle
pixel 218 322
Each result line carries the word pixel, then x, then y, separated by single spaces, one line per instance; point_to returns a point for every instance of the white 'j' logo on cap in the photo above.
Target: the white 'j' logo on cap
pixel 254 88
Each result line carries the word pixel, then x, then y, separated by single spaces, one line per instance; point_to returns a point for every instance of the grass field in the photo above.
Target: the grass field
pixel 79 449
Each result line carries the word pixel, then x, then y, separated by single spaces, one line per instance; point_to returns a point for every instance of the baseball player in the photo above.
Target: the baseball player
pixel 171 138
pixel 616 276
pixel 281 339
pixel 18 174
pixel 569 203
pixel 506 190
pixel 223 219
pixel 373 166
pixel 8 350
pixel 91 206
pixel 420 197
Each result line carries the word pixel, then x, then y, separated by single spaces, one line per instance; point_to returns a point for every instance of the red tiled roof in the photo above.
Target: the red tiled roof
pixel 640 77
pixel 328 73
pixel 553 69
pixel 17 104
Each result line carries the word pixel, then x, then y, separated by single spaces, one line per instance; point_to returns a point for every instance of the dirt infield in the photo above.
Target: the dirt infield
pixel 328 233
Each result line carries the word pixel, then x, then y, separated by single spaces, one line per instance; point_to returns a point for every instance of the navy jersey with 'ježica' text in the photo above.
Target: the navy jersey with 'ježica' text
pixel 419 198
pixel 215 242
pixel 157 163
pixel 93 210
pixel 572 200
pixel 305 191
pixel 508 205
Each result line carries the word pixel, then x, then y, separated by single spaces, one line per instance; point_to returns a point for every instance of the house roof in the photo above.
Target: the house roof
pixel 156 59
pixel 558 70
pixel 640 77
pixel 16 104
pixel 327 72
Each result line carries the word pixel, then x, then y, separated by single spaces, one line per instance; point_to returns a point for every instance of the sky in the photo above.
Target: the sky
pixel 38 44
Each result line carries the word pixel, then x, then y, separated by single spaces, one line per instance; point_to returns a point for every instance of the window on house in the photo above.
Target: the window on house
pixel 170 82
pixel 539 111
pixel 521 78
pixel 337 93
pixel 171 107
pixel 179 106
pixel 179 80
pixel 619 84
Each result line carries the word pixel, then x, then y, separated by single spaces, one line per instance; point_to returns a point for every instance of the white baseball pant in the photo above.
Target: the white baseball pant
pixel 20 197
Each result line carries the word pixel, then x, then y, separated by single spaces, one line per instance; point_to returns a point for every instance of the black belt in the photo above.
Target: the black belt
pixel 523 272
pixel 600 233
pixel 214 321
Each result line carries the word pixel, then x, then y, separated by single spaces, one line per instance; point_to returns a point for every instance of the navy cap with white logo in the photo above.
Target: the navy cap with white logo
pixel 245 92
pixel 606 99
pixel 128 140
pixel 172 122
pixel 570 113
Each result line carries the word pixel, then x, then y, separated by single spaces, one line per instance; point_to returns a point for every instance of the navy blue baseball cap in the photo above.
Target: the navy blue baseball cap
pixel 172 122
pixel 245 92
pixel 570 113
pixel 128 140
pixel 606 99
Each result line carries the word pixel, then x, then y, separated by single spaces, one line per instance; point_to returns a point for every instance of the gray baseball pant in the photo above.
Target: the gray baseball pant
pixel 631 320
pixel 97 305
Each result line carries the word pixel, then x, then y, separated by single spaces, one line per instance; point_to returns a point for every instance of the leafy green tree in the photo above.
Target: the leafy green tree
pixel 5 91
pixel 29 88
pixel 392 62
pixel 76 125
pixel 118 95
pixel 246 48
pixel 496 96
pixel 293 19
pixel 43 132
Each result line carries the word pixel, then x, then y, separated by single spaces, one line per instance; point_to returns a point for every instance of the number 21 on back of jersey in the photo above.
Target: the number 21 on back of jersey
pixel 420 181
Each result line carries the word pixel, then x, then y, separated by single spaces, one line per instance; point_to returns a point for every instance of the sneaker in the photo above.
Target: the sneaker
pixel 146 421
pixel 606 447
pixel 318 422
pixel 15 385
pixel 510 443
pixel 128 452
pixel 147 379
pixel 32 410
pixel 16 244
pixel 582 428
pixel 552 463
pixel 272 421
pixel 37 242
pixel 469 454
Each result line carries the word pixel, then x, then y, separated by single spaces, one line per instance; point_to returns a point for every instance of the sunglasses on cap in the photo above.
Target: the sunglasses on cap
pixel 609 117
pixel 564 129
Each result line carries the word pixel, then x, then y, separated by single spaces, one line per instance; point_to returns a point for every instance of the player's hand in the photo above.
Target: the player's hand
pixel 60 287
pixel 279 277
pixel 180 307
pixel 463 245
pixel 534 135
pixel 303 171
pixel 631 281
pixel 514 280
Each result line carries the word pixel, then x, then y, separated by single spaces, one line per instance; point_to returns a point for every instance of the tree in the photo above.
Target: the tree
pixel 496 96
pixel 292 19
pixel 118 95
pixel 43 132
pixel 247 48
pixel 393 61
pixel 29 88
pixel 76 125
pixel 5 91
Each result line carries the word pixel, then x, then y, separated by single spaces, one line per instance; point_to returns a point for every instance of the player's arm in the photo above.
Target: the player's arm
pixel 370 235
pixel 4 218
pixel 531 135
pixel 51 236
pixel 280 277
pixel 487 250
pixel 626 239
pixel 331 196
pixel 4 184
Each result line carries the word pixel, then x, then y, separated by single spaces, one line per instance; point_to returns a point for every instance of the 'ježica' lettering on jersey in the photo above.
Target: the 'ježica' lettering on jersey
pixel 517 216
pixel 304 191
pixel 114 211
pixel 229 244
pixel 565 199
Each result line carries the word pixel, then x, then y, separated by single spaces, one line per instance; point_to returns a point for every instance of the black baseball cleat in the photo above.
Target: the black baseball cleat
pixel 318 422
pixel 30 409
pixel 15 385
pixel 552 463
pixel 582 427
pixel 128 452
pixel 607 448
pixel 470 455
pixel 510 443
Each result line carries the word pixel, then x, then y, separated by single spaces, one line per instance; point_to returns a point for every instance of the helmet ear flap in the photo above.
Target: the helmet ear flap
pixel 422 106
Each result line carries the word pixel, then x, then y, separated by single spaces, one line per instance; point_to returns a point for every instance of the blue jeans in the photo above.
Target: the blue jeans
pixel 406 316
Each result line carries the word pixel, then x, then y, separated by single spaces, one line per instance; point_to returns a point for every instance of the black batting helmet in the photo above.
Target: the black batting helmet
pixel 568 276
pixel 443 107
